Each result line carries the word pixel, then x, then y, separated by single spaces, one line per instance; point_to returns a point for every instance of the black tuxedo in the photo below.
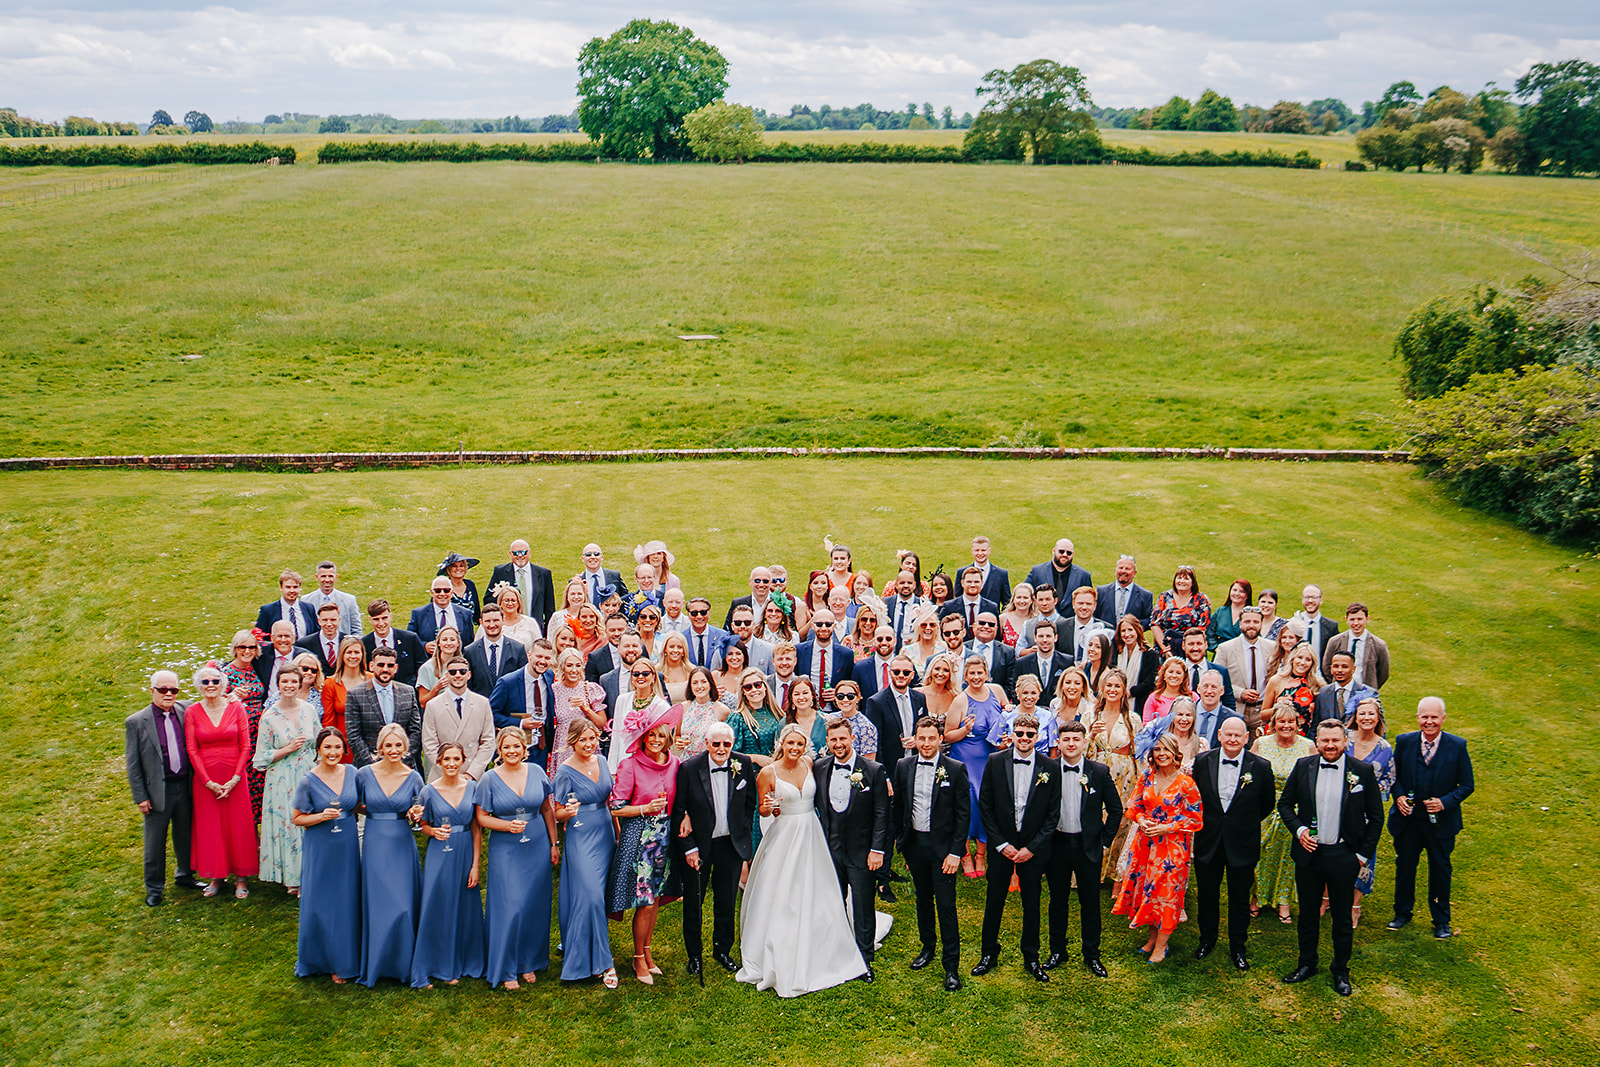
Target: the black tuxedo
pixel 363 718
pixel 513 657
pixel 409 654
pixel 425 623
pixel 1064 581
pixel 1099 815
pixel 1048 673
pixel 862 828
pixel 1003 672
pixel 314 645
pixel 1448 777
pixel 884 712
pixel 997 809
pixel 949 816
pixel 1332 868
pixel 1229 842
pixel 721 858
pixel 541 589
pixel 1141 604
pixel 957 605
pixel 996 587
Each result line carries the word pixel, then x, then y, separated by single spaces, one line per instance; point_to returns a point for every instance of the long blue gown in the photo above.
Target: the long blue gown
pixel 329 941
pixel 518 886
pixel 451 940
pixel 974 750
pixel 391 879
pixel 585 862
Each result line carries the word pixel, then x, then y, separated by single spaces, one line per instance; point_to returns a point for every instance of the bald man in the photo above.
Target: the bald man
pixel 1433 775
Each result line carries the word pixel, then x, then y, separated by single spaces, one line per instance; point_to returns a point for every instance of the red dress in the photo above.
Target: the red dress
pixel 1158 867
pixel 224 831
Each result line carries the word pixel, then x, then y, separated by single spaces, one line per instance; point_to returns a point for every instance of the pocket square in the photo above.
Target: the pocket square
pixel 1356 789
pixel 739 786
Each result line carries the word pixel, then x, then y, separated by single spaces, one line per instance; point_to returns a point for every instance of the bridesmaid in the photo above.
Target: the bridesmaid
pixel 450 933
pixel 522 857
pixel 967 725
pixel 391 876
pixel 1166 813
pixel 640 800
pixel 329 941
pixel 1283 746
pixel 283 754
pixel 583 785
pixel 218 738
pixel 1367 744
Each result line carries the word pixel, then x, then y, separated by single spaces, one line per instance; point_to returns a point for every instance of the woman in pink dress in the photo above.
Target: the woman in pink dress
pixel 1165 814
pixel 217 735
pixel 641 797
pixel 573 699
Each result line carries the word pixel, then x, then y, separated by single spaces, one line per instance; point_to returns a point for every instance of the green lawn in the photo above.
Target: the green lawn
pixel 116 573
pixel 437 306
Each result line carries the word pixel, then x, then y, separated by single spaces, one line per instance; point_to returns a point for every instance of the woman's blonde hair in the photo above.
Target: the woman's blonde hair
pixel 393 729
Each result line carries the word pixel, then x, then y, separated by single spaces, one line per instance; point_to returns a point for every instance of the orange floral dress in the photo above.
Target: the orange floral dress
pixel 1158 867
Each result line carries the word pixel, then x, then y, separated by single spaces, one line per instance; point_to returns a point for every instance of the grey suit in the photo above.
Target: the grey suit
pixel 363 717
pixel 171 805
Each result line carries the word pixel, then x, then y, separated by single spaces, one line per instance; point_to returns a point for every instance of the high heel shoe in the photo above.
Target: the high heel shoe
pixel 646 977
pixel 650 958
pixel 609 977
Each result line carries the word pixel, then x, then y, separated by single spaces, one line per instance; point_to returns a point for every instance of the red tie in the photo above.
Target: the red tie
pixel 822 670
pixel 884 682
pixel 972 616
pixel 330 651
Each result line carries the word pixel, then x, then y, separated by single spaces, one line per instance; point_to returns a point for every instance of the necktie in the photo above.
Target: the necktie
pixel 174 757
pixel 292 613
pixel 783 697
pixel 883 678
pixel 494 662
pixel 1195 684
pixel 925 763
pixel 458 707
pixel 538 700
pixel 1427 751
pixel 904 703
pixel 972 616
pixel 1342 691
pixel 702 642
pixel 440 625
pixel 1022 761
pixel 329 646
pixel 1122 601
pixel 822 668
pixel 525 588
pixel 594 588
pixel 1355 650
pixel 1254 682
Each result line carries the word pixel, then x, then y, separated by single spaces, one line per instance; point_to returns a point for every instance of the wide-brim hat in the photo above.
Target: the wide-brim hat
pixel 650 548
pixel 672 717
pixel 455 557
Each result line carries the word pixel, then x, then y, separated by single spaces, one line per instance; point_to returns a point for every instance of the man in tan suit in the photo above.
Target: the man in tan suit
pixel 1367 649
pixel 1245 658
pixel 460 715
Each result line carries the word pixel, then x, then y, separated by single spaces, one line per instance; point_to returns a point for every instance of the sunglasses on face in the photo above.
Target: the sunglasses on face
pixel 457 672
pixel 700 613
pixel 211 681
pixel 846 696
pixel 747 687
pixel 761 581
pixel 641 674
pixel 166 690
pixel 719 744
pixel 823 625
pixel 1027 735
pixel 900 673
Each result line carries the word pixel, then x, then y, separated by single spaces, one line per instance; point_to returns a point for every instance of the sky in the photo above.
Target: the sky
pixel 122 59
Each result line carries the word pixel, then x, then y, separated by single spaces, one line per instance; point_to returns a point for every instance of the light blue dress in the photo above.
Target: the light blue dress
pixel 974 750
pixel 518 887
pixel 1381 759
pixel 329 941
pixel 585 863
pixel 451 940
pixel 391 879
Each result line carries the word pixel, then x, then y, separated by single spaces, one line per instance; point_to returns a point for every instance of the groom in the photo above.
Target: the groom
pixel 852 799
pixel 713 809
pixel 1019 803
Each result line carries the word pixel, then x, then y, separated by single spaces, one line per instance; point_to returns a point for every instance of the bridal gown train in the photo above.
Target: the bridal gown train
pixel 796 935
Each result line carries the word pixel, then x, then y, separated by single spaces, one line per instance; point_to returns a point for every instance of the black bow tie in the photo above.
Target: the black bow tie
pixel 1330 766
pixel 926 763
pixel 1073 770
pixel 1022 761
pixel 721 770
pixel 1230 763
pixel 845 767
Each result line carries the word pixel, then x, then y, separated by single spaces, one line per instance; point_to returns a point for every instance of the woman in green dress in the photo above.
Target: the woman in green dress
pixel 1282 746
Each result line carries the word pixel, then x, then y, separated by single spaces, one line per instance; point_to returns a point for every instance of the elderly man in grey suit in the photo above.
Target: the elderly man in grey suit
pixel 159 774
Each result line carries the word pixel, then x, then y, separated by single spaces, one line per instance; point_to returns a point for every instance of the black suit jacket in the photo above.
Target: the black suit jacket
pixel 997 587
pixel 693 798
pixel 1360 817
pixel 426 627
pixel 1040 812
pixel 409 654
pixel 1141 604
pixel 273 612
pixel 1004 671
pixel 1101 812
pixel 1047 673
pixel 313 645
pixel 1072 578
pixel 885 715
pixel 1229 701
pixel 541 588
pixel 1233 835
pixel 863 826
pixel 363 718
pixel 951 813
pixel 1448 777
pixel 513 657
pixel 601 661
pixel 607 577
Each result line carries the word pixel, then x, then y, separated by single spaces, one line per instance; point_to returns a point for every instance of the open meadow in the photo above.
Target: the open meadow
pixel 116 573
pixel 509 306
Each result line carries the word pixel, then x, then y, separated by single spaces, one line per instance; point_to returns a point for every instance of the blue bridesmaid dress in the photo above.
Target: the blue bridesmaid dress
pixel 518 885
pixel 450 934
pixel 391 879
pixel 974 750
pixel 329 941
pixel 585 863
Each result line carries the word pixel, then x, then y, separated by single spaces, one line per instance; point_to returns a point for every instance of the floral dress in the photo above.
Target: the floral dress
pixel 1174 620
pixel 280 839
pixel 697 719
pixel 567 712
pixel 1158 867
pixel 244 685
pixel 1275 872
pixel 1103 749
pixel 1381 759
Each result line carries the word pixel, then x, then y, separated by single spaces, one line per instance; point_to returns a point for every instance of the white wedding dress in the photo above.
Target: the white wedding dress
pixel 796 935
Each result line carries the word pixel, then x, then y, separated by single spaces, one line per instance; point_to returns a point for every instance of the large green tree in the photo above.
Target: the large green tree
pixel 1041 105
pixel 1400 94
pixel 636 86
pixel 1562 128
pixel 1212 111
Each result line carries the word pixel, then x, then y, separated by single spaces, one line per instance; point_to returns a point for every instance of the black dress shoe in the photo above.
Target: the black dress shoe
pixel 985 965
pixel 1397 923
pixel 896 876
pixel 868 976
pixel 1341 984
pixel 922 959
pixel 1299 974
pixel 1204 950
pixel 952 981
pixel 1442 932
pixel 729 964
pixel 886 895
pixel 1038 972
pixel 1054 960
pixel 1096 968
pixel 694 965
pixel 1240 962
pixel 189 883
pixel 152 899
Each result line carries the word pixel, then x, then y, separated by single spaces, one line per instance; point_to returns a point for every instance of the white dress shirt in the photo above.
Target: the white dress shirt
pixel 1228 778
pixel 1330 800
pixel 922 795
pixel 839 783
pixel 1071 821
pixel 721 782
pixel 1021 779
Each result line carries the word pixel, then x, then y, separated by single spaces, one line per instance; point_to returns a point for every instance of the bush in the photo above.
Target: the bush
pixel 122 155
pixel 1444 343
pixel 1355 165
pixel 1387 146
pixel 722 131
pixel 864 152
pixel 1301 160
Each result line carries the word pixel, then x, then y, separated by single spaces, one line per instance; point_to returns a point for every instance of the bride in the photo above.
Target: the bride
pixel 796 935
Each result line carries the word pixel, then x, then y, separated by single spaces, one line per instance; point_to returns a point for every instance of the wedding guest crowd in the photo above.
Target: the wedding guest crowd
pixel 601 758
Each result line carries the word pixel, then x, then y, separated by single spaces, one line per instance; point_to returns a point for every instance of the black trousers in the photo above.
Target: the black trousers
pixel 936 895
pixel 1209 875
pixel 859 883
pixel 720 871
pixel 1331 868
pixel 177 816
pixel 1029 876
pixel 1067 858
pixel 1408 850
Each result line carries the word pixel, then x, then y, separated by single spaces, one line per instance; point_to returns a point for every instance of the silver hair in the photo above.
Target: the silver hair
pixel 719 729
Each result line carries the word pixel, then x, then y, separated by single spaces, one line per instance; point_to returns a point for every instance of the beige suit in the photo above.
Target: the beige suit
pixel 1375 664
pixel 473 730
pixel 1232 655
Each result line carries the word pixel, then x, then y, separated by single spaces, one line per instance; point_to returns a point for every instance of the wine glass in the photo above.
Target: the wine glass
pixel 572 798
pixel 521 815
pixel 336 806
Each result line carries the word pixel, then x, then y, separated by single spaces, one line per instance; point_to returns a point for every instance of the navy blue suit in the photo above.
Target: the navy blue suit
pixel 716 640
pixel 513 657
pixel 1141 604
pixel 509 703
pixel 408 653
pixel 273 612
pixel 1228 700
pixel 841 661
pixel 997 586
pixel 1449 778
pixel 1065 581
pixel 426 627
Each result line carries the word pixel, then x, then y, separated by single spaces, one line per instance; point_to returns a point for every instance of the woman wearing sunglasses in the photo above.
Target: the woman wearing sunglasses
pixel 224 831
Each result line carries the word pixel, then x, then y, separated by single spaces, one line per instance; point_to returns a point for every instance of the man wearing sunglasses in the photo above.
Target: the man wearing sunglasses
pixel 531 581
pixel 458 714
pixel 158 775
pixel 872 673
pixel 1060 572
pixel 706 642
pixel 760 593
pixel 713 809
pixel 824 658
pixel 595 575
pixel 895 711
pixel 1019 801
pixel 744 629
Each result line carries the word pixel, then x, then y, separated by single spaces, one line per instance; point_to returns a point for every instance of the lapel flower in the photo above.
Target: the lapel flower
pixel 939 773
pixel 1042 778
pixel 1083 781
pixel 1351 779
pixel 1245 779
pixel 736 766
pixel 859 781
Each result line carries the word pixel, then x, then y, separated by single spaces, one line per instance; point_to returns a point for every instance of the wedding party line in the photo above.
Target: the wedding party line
pixel 617 751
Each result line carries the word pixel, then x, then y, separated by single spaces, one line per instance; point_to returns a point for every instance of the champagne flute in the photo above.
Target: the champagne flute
pixel 572 798
pixel 444 824
pixel 521 815
pixel 338 807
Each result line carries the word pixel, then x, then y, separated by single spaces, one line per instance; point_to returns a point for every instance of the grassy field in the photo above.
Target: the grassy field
pixel 513 306
pixel 116 573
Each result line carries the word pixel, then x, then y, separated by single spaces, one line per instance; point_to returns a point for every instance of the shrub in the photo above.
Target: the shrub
pixel 1387 146
pixel 722 131
pixel 124 155
pixel 1353 164
pixel 1444 343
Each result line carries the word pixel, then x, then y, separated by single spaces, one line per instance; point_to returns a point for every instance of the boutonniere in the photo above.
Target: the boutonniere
pixel 858 780
pixel 1042 779
pixel 940 774
pixel 1351 779
pixel 1245 779
pixel 736 766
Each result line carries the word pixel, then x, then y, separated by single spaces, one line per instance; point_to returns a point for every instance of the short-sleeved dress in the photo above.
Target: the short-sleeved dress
pixel 1381 758
pixel 639 866
pixel 280 838
pixel 585 864
pixel 517 890
pixel 1158 867
pixel 451 940
pixel 329 940
pixel 1275 872
pixel 974 750
pixel 224 831
pixel 567 712
pixel 391 878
